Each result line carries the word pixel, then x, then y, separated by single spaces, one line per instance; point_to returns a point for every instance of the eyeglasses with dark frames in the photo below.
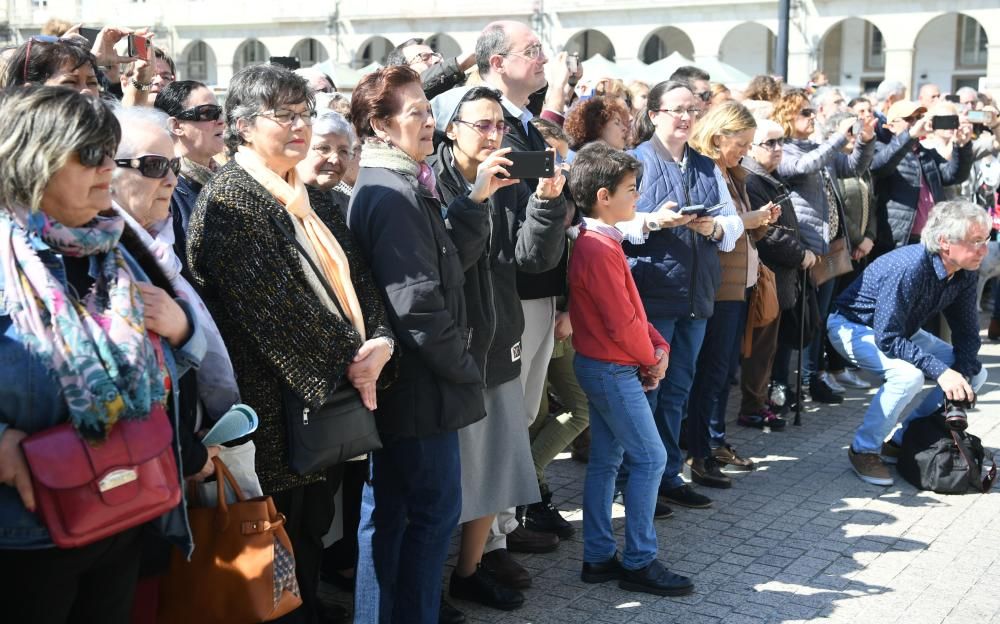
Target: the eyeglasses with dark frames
pixel 203 112
pixel 485 127
pixel 807 112
pixel 677 112
pixel 771 144
pixel 287 118
pixel 94 155
pixel 151 166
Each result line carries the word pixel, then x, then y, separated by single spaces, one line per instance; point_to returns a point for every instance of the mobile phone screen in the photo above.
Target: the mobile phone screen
pixel 531 165
pixel 945 122
pixel 90 34
pixel 137 46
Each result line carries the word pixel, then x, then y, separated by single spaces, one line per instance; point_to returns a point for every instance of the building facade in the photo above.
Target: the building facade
pixel 856 43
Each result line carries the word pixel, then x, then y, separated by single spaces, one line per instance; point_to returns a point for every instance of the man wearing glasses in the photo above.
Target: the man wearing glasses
pixel 437 73
pixel 876 324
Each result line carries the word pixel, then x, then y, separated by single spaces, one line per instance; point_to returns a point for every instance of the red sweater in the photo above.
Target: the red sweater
pixel 609 321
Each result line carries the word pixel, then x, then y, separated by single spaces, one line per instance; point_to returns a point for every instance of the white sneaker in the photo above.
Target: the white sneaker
pixel 850 379
pixel 831 383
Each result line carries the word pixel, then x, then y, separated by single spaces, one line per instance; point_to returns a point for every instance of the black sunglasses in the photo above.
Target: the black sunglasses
pixel 204 112
pixel 155 167
pixel 94 155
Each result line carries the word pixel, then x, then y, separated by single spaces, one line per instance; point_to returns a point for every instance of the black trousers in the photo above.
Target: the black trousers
pixel 343 554
pixel 91 584
pixel 309 510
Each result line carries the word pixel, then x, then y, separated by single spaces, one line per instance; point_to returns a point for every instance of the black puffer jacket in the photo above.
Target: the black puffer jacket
pixel 527 235
pixel 781 249
pixel 419 270
pixel 897 168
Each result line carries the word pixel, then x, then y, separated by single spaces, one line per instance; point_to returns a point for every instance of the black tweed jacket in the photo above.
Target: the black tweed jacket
pixel 277 330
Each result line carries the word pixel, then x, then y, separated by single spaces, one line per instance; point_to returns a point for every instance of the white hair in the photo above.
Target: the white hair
pixel 764 128
pixel 332 122
pixel 967 91
pixel 889 88
pixel 951 221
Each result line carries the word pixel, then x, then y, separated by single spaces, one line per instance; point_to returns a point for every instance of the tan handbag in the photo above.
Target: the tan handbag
pixel 242 570
pixel 763 306
pixel 834 263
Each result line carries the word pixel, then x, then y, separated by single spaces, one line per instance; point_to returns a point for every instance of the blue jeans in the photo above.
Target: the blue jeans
pixel 621 428
pixel 409 509
pixel 812 359
pixel 710 391
pixel 669 401
pixel 903 381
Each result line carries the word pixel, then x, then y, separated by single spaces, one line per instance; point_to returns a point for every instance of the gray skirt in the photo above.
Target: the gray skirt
pixel 497 470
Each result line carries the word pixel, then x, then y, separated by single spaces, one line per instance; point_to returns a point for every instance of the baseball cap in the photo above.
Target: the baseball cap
pixel 903 109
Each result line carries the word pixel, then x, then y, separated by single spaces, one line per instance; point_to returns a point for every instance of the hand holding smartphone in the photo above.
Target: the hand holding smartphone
pixel 531 165
pixel 698 210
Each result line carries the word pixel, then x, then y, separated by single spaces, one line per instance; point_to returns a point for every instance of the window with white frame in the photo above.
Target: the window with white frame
pixel 971 42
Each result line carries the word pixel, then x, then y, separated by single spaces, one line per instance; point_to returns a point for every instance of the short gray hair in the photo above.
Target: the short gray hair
pixel 258 88
pixel 40 127
pixel 332 122
pixel 889 88
pixel 823 94
pixel 129 117
pixel 493 40
pixel 951 221
pixel 968 90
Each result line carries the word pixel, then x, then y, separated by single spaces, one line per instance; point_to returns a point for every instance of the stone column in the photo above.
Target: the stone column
pixel 993 66
pixel 899 66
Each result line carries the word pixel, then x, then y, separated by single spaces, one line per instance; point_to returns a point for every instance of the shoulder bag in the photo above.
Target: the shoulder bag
pixel 837 260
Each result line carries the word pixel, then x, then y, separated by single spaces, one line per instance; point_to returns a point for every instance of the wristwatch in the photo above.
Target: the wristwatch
pixel 140 86
pixel 653 225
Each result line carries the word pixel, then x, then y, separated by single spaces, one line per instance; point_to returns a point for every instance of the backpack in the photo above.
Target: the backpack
pixel 935 457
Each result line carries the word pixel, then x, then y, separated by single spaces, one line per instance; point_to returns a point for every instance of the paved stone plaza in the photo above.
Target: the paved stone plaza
pixel 800 539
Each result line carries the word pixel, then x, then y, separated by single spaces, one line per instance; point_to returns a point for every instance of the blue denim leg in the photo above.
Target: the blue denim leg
pixel 408 512
pixel 669 401
pixel 710 390
pixel 812 359
pixel 621 427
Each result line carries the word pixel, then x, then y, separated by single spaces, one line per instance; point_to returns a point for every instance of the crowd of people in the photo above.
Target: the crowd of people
pixel 159 249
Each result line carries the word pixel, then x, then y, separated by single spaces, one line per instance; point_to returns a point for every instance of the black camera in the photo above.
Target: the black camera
pixel 955 416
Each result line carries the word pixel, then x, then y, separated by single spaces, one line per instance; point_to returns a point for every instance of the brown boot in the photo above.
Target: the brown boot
pixel 994 331
pixel 581 447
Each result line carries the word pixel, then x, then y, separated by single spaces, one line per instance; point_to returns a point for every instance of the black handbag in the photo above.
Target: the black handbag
pixel 338 430
pixel 944 459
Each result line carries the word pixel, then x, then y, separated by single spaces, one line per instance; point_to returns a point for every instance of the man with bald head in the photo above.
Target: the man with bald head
pixel 928 95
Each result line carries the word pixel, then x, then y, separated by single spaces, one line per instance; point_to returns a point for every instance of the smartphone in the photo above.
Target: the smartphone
pixel 90 34
pixel 573 63
pixel 781 200
pixel 980 117
pixel 291 62
pixel 856 128
pixel 944 122
pixel 137 46
pixel 699 210
pixel 954 99
pixel 531 165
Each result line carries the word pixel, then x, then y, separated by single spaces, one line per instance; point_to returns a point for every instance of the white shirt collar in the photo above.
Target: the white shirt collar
pixel 524 115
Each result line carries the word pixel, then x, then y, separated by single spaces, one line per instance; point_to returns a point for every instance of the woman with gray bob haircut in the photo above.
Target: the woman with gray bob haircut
pixel 951 221
pixel 77 321
pixel 264 90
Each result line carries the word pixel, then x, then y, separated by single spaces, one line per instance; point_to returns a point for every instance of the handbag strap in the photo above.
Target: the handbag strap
pixel 990 477
pixel 839 201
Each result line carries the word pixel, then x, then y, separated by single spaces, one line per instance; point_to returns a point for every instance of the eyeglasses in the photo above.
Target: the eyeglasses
pixel 771 144
pixel 27 52
pixel 151 166
pixel 326 151
pixel 288 118
pixel 807 112
pixel 425 57
pixel 94 155
pixel 203 112
pixel 976 245
pixel 486 128
pixel 531 52
pixel 677 112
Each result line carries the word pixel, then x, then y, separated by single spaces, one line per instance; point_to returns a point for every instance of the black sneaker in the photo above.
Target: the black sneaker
pixel 706 472
pixel 660 512
pixel 822 393
pixel 448 614
pixel 685 497
pixel 602 572
pixel 545 518
pixel 481 587
pixel 656 579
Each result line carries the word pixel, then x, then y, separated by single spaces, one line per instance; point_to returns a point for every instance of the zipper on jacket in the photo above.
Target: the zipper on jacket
pixel 685 169
pixel 305 416
pixel 489 287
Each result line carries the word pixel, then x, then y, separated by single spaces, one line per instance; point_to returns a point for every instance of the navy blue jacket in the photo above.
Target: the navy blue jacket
pixel 676 270
pixel 182 203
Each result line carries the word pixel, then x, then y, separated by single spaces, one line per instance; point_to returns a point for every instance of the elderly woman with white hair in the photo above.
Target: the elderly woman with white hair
pixel 876 324
pixel 330 153
pixel 782 251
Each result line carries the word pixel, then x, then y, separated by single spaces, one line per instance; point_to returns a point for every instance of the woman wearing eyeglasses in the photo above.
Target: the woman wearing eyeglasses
pixel 292 344
pixel 524 235
pixel 809 169
pixel 196 125
pixel 412 503
pixel 79 320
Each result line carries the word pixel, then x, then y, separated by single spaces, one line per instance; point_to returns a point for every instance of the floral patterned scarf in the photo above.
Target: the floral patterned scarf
pixel 96 346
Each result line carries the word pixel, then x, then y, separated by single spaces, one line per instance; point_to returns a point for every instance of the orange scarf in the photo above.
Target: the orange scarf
pixel 312 233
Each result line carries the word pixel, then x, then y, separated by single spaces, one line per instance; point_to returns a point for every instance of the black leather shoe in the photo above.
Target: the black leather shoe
pixel 481 587
pixel 685 497
pixel 522 540
pixel 706 472
pixel 602 572
pixel 502 566
pixel 545 518
pixel 660 512
pixel 822 393
pixel 448 614
pixel 656 579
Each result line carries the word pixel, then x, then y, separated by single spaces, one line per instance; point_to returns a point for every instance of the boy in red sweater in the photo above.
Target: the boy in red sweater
pixel 619 356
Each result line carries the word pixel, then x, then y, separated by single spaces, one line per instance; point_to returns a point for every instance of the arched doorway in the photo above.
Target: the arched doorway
pixel 309 52
pixel 663 42
pixel 951 52
pixel 199 63
pixel 749 48
pixel 373 50
pixel 852 55
pixel 444 45
pixel 250 52
pixel 588 43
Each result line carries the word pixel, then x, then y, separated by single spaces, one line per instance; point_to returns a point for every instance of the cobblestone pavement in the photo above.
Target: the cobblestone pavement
pixel 800 539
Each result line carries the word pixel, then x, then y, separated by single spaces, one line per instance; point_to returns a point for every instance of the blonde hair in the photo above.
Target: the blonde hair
pixel 787 109
pixel 726 119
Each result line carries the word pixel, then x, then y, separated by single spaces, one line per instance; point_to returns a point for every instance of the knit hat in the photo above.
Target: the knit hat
pixel 445 106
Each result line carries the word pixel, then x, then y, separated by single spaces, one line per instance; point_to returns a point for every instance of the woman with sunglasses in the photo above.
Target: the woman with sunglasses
pixel 254 239
pixel 196 125
pixel 78 319
pixel 524 235
pixel 810 169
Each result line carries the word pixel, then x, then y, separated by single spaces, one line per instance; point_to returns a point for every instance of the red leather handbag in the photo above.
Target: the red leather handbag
pixel 87 492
